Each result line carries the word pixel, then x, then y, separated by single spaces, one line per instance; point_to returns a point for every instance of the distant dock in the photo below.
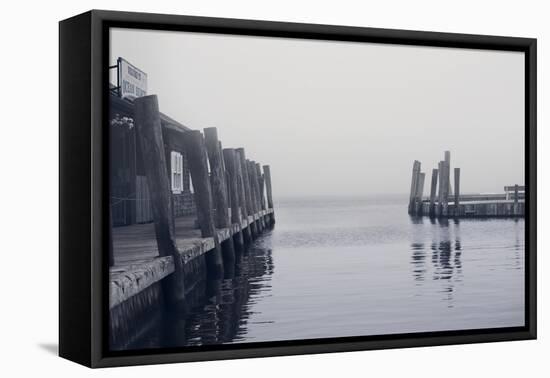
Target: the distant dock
pixel 446 201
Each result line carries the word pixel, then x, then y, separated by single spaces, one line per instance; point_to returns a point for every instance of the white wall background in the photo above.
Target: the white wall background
pixel 29 188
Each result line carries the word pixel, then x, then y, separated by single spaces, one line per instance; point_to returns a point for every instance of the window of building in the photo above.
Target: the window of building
pixel 177 172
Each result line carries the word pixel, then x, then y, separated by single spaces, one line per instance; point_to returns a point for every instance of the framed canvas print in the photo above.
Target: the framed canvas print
pixel 234 188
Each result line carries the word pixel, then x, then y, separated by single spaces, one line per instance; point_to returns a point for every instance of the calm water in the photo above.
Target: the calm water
pixel 349 267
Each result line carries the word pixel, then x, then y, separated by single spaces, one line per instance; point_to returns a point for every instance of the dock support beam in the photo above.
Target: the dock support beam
pixel 419 193
pixel 253 194
pixel 447 182
pixel 219 192
pixel 414 183
pixel 149 130
pixel 260 190
pixel 443 190
pixel 261 182
pixel 247 236
pixel 433 191
pixel 247 191
pixel 256 188
pixel 269 193
pixel 236 216
pixel 196 156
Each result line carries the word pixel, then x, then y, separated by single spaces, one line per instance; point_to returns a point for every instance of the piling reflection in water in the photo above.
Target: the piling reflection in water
pixel 441 261
pixel 444 253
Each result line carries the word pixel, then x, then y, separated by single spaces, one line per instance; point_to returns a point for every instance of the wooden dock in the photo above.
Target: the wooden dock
pixel 137 261
pixel 160 263
pixel 447 201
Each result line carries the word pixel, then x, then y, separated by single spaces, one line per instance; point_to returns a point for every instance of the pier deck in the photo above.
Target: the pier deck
pixel 137 262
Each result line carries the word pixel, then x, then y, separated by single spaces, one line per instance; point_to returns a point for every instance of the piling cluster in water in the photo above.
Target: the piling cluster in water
pixel 444 203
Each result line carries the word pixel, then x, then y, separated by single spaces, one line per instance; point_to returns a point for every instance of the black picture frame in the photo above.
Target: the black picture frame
pixel 83 228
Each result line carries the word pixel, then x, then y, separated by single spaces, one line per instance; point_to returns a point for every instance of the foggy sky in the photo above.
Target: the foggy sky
pixel 342 118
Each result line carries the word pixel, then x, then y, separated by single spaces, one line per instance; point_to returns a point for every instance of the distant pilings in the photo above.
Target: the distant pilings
pixel 417 188
pixel 444 203
pixel 414 184
pixel 433 192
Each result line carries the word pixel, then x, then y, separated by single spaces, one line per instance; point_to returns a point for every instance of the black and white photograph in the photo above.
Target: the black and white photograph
pixel 268 189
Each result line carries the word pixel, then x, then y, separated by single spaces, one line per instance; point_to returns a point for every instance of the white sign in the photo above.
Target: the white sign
pixel 131 80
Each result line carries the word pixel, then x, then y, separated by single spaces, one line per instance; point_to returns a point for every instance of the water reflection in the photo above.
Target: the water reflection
pixel 360 268
pixel 440 255
pixel 220 309
pixel 418 261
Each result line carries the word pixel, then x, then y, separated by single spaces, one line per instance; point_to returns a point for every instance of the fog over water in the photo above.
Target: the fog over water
pixel 339 118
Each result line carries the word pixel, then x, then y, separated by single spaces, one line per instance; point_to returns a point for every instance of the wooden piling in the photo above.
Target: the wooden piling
pixel 230 160
pixel 261 182
pixel 149 130
pixel 446 182
pixel 226 177
pixel 441 170
pixel 219 191
pixel 248 190
pixel 247 236
pixel 257 174
pixel 251 166
pixel 419 193
pixel 252 181
pixel 196 156
pixel 448 172
pixel 433 191
pixel 457 191
pixel 414 183
pixel 269 193
pixel 261 192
